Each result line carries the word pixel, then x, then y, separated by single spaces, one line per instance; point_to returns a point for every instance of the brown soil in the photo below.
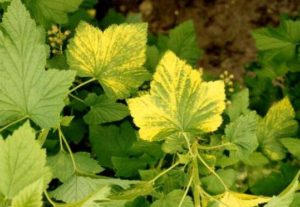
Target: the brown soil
pixel 223 26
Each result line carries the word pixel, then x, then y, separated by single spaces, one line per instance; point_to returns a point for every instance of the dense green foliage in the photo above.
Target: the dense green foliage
pixel 101 113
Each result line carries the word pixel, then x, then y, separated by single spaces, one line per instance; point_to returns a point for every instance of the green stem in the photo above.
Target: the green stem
pixel 216 147
pixel 61 135
pixel 196 180
pixel 186 191
pixel 13 123
pixel 212 171
pixel 77 98
pixel 164 172
pixel 49 199
pixel 43 136
pixel 82 84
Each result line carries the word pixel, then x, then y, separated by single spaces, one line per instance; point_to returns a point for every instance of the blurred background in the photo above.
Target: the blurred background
pixel 223 26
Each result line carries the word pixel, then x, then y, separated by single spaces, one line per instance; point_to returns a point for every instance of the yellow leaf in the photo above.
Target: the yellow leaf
pixel 232 199
pixel 115 57
pixel 179 102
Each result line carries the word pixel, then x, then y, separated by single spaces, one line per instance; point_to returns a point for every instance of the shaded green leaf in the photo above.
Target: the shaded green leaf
pixel 173 199
pixel 104 109
pixel 242 134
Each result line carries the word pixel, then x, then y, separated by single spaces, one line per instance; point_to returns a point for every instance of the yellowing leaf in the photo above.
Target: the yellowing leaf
pixel 277 124
pixel 232 199
pixel 115 57
pixel 179 102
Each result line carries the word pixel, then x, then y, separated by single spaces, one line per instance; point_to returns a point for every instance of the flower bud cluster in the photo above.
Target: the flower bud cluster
pixel 56 39
pixel 228 80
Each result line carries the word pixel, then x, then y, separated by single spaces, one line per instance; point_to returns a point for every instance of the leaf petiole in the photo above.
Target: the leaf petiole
pixel 212 171
pixel 216 147
pixel 82 84
pixel 13 123
pixel 164 172
pixel 186 190
pixel 62 137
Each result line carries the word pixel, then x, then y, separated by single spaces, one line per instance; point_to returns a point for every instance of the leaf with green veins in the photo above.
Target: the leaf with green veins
pixel 239 104
pixel 30 196
pixel 26 89
pixel 277 124
pixel 179 102
pixel 287 196
pixel 292 145
pixel 214 186
pixel 21 155
pixel 183 42
pixel 115 57
pixel 55 11
pixel 109 141
pixel 62 166
pixel 104 109
pixel 77 188
pixel 242 134
pixel 173 199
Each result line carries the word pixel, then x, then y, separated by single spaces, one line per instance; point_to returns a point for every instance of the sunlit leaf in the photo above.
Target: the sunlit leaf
pixel 179 102
pixel 115 57
pixel 22 161
pixel 26 89
pixel 30 196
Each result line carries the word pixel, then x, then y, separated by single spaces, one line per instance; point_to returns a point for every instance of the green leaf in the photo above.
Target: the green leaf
pixel 62 166
pixel 292 146
pixel 256 159
pixel 55 11
pixel 296 201
pixel 153 57
pixel 173 199
pixel 21 155
pixel 182 41
pixel 279 43
pixel 239 104
pixel 277 124
pixel 275 182
pixel 26 89
pixel 214 186
pixel 77 188
pixel 115 57
pixel 179 102
pixel 128 167
pixel 104 109
pixel 242 134
pixel 286 197
pixel 30 196
pixel 109 141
